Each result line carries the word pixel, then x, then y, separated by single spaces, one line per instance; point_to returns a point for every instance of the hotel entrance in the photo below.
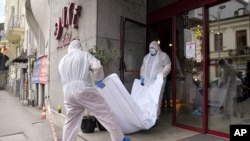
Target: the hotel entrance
pixel 209 48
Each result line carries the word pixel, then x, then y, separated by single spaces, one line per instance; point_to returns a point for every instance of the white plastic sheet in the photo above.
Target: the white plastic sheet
pixel 134 112
pixel 217 95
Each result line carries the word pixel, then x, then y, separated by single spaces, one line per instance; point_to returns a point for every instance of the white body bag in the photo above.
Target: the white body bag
pixel 134 112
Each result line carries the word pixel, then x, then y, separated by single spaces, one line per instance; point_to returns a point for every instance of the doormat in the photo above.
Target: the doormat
pixel 204 137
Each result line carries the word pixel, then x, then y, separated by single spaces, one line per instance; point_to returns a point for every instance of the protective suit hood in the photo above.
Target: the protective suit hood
pixel 161 64
pixel 74 45
pixel 79 69
pixel 155 45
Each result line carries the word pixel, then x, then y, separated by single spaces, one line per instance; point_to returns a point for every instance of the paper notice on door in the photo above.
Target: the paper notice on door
pixel 198 56
pixel 190 49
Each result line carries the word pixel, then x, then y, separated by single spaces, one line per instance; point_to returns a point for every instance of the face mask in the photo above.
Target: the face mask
pixel 152 51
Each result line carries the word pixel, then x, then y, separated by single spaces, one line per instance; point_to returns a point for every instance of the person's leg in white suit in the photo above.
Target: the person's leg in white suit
pixel 90 99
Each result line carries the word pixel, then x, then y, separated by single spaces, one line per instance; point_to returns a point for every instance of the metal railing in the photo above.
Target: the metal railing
pixel 231 53
pixel 2 35
pixel 16 21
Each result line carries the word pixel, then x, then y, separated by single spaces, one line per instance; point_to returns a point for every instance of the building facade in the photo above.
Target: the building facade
pixel 50 35
pixel 13 47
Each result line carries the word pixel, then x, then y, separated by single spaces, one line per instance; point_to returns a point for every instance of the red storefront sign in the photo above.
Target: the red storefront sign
pixel 70 16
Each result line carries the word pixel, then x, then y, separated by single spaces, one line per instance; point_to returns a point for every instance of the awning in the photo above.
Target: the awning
pixel 21 58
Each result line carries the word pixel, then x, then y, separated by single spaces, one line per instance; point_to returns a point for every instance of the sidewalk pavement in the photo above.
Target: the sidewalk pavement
pixel 23 123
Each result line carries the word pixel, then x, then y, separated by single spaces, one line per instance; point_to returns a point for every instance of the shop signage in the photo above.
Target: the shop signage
pixel 190 49
pixel 36 71
pixel 20 65
pixel 39 74
pixel 70 17
pixel 66 38
pixel 43 70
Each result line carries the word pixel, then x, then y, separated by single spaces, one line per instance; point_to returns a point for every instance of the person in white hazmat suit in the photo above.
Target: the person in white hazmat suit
pixel 80 93
pixel 228 82
pixel 155 62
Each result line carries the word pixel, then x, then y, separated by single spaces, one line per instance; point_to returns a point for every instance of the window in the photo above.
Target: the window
pixel 218 40
pixel 241 41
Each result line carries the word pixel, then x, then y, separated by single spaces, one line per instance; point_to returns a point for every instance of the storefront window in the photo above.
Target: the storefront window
pixel 229 66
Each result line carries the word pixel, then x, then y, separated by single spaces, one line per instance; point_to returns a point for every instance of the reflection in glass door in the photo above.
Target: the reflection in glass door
pixel 229 66
pixel 189 73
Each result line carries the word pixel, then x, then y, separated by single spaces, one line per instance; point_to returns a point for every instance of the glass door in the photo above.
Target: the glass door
pixel 229 66
pixel 189 70
pixel 133 43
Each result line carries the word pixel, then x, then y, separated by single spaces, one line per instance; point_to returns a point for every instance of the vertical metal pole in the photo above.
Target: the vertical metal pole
pixel 218 34
pixel 219 12
pixel 218 42
pixel 218 39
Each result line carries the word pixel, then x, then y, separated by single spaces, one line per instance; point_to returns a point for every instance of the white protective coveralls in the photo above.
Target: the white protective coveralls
pixel 154 64
pixel 228 82
pixel 80 93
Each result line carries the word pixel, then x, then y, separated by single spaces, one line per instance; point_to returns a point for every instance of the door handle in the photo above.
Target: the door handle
pixel 124 67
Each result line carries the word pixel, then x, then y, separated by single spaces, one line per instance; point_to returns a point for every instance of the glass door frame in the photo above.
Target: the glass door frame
pixel 205 78
pixel 203 129
pixel 205 58
pixel 177 8
pixel 122 67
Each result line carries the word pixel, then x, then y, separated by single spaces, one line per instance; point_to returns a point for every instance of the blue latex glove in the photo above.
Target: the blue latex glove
pixel 142 80
pixel 100 84
pixel 155 77
pixel 126 139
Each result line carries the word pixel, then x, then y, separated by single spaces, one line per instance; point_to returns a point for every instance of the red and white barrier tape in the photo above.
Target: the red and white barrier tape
pixel 51 120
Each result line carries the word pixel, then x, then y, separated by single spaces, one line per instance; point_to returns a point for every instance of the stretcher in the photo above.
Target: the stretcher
pixel 136 111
